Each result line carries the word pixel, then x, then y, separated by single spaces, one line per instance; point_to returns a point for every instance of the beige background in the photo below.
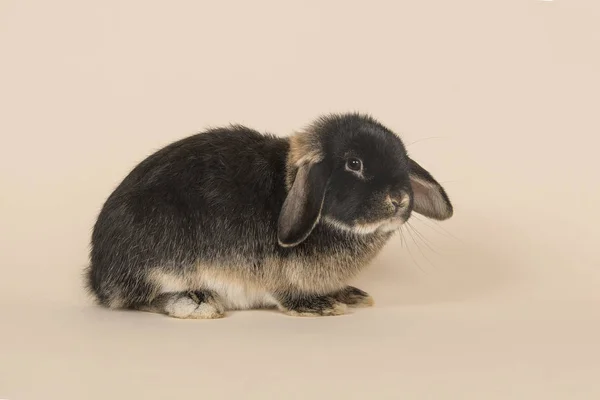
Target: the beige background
pixel 498 99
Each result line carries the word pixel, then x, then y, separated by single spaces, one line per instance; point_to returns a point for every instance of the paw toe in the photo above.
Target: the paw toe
pixel 366 301
pixel 187 307
pixel 335 309
pixel 354 297
pixel 181 308
pixel 207 311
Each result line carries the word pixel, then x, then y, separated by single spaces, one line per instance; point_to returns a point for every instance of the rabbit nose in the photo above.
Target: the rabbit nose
pixel 399 202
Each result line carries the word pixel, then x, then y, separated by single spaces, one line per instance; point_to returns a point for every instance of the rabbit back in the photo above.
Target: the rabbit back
pixel 196 199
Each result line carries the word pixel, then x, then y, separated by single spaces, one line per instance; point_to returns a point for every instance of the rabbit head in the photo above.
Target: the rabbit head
pixel 352 173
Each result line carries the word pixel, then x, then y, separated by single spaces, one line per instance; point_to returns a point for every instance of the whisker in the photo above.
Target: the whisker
pixel 401 237
pixel 413 257
pixel 441 230
pixel 424 239
pixel 423 139
pixel 448 232
pixel 425 222
pixel 419 248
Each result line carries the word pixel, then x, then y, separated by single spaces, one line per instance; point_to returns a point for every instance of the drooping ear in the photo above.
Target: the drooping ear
pixel 430 198
pixel 302 207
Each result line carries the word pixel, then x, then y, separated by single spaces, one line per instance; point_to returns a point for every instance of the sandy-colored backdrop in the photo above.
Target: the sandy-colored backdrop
pixel 499 99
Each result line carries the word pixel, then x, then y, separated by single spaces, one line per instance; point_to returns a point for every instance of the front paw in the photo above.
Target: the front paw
pixel 313 306
pixel 354 297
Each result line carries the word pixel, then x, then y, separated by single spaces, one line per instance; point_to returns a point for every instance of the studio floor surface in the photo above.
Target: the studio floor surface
pixel 517 322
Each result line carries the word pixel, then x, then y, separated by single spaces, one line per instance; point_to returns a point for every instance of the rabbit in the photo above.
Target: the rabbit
pixel 233 219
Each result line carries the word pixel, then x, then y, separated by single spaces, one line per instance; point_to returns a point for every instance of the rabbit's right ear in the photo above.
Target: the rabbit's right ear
pixel 302 207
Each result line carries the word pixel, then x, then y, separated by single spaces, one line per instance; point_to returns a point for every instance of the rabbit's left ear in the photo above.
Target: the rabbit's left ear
pixel 430 198
pixel 301 209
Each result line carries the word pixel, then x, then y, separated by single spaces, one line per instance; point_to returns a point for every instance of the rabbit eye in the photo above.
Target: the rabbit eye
pixel 354 164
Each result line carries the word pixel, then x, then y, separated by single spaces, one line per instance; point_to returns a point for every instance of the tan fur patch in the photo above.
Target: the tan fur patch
pixel 234 286
pixel 363 302
pixel 238 286
pixel 304 149
pixel 116 302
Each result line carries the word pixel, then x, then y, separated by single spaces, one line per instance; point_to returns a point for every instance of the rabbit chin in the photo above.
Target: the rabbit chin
pixel 383 226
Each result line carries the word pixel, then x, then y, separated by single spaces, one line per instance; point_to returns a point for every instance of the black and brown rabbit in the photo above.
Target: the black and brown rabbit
pixel 234 219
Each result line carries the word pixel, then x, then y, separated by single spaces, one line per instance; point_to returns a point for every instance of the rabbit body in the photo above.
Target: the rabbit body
pixel 196 229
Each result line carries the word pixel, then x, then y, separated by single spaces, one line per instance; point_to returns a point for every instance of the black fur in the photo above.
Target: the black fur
pixel 386 167
pixel 311 305
pixel 302 206
pixel 194 200
pixel 215 199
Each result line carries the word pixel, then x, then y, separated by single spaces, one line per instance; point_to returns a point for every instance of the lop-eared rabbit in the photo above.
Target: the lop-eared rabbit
pixel 232 219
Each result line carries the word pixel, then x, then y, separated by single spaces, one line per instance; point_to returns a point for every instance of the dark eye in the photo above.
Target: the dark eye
pixel 354 164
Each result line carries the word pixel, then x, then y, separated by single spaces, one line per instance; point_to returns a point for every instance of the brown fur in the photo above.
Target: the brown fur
pixel 305 148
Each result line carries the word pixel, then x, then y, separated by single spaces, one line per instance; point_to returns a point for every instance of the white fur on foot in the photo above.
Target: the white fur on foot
pixel 207 311
pixel 181 307
pixel 186 307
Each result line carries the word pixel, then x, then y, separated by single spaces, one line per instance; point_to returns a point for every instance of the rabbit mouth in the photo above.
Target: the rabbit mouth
pixel 385 226
pixel 365 228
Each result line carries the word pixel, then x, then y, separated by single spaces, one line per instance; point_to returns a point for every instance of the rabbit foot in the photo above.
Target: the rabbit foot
pixel 354 297
pixel 314 306
pixel 189 305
